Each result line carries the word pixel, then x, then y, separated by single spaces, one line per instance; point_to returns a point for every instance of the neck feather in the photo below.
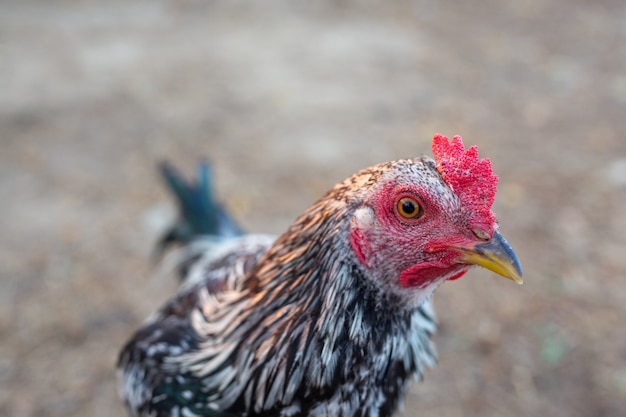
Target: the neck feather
pixel 309 321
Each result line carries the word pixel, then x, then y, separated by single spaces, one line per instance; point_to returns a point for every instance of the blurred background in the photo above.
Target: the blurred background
pixel 287 98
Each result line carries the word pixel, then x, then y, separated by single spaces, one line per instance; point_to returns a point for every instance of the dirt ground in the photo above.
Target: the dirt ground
pixel 287 98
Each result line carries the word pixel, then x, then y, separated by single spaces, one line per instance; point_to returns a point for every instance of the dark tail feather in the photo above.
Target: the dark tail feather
pixel 200 214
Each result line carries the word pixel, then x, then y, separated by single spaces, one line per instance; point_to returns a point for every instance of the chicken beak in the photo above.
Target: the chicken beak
pixel 495 255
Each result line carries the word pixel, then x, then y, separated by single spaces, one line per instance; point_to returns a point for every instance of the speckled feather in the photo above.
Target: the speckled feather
pixel 296 326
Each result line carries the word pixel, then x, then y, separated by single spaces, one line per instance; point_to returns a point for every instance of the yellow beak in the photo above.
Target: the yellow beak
pixel 495 255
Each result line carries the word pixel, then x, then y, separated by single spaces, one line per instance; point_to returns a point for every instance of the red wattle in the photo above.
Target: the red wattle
pixel 423 274
pixel 457 276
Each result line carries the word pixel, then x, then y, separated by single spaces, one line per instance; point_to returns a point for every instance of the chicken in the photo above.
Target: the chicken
pixel 332 318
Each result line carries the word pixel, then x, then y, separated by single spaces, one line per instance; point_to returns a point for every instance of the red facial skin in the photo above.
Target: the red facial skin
pixel 419 251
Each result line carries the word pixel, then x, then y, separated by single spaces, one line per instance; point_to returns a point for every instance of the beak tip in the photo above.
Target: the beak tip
pixel 517 274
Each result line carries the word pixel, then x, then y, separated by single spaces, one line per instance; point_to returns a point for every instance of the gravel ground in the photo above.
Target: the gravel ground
pixel 287 99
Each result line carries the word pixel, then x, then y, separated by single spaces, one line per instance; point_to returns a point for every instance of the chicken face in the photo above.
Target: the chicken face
pixel 419 226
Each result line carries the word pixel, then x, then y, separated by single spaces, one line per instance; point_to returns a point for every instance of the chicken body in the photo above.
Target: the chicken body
pixel 332 318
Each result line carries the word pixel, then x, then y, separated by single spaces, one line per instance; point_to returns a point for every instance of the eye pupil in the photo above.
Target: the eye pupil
pixel 408 207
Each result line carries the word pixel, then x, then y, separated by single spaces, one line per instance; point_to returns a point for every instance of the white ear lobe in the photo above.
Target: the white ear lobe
pixel 363 218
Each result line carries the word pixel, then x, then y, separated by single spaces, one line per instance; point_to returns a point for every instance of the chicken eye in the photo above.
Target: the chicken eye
pixel 409 208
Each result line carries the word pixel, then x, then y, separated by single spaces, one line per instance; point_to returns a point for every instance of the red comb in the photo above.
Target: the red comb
pixel 471 178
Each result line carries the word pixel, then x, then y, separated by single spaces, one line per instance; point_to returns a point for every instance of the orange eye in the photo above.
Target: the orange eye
pixel 409 208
